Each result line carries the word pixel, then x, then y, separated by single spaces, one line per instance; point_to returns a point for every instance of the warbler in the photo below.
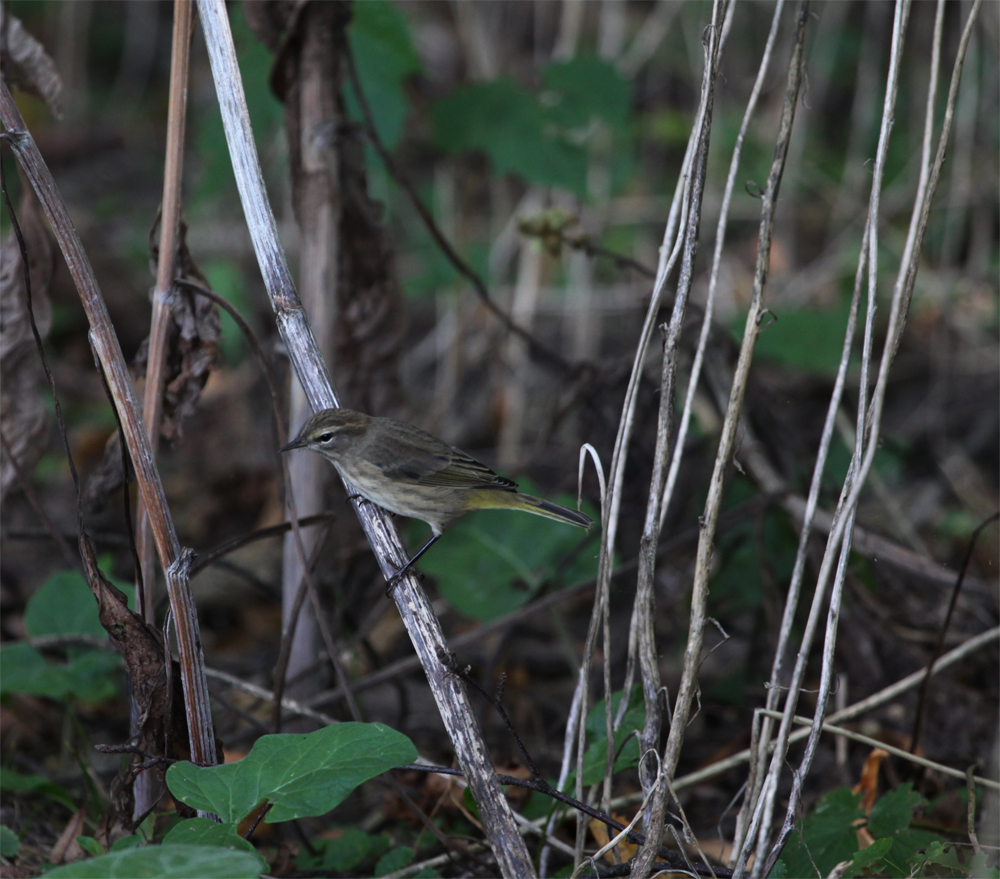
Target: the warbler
pixel 408 471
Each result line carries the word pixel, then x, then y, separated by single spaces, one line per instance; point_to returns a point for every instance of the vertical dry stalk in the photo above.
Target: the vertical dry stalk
pixel 425 632
pixel 670 249
pixel 867 441
pixel 108 351
pixel 760 751
pixel 610 507
pixel 692 653
pixel 654 782
pixel 170 223
pixel 310 105
pixel 760 824
pixel 156 364
pixel 720 240
pixel 865 450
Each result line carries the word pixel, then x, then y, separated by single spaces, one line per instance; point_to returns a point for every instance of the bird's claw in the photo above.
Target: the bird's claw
pixel 390 584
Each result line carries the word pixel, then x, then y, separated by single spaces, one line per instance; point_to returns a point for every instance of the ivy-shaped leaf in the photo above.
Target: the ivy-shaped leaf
pixel 826 837
pixel 300 775
pixel 164 862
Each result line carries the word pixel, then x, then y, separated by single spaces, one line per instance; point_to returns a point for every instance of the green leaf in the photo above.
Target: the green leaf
pixel 509 125
pixel 810 339
pixel 301 775
pixel 202 831
pixel 627 756
pixel 894 811
pixel 957 859
pixel 826 837
pixel 867 857
pixel 494 561
pixel 64 605
pixel 91 675
pixel 164 862
pixel 9 843
pixel 584 87
pixel 26 671
pixel 395 860
pixel 384 55
pixel 778 871
pixel 90 845
pixel 905 846
pixel 344 851
pixel 126 843
pixel 385 23
pixel 86 676
pixel 15 782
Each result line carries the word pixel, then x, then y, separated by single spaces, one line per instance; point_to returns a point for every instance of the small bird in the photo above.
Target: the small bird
pixel 408 471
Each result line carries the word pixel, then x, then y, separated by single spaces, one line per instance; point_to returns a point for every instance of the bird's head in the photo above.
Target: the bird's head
pixel 330 431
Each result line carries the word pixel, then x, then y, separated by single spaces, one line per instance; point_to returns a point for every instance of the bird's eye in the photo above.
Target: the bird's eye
pixel 325 437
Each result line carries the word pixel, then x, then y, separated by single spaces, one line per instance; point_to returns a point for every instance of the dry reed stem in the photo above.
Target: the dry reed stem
pixel 421 624
pixel 156 363
pixel 655 784
pixel 759 826
pixel 170 224
pixel 709 519
pixel 720 239
pixel 611 504
pixel 864 456
pixel 902 292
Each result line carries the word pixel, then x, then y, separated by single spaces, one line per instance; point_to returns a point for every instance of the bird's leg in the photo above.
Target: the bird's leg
pixel 394 579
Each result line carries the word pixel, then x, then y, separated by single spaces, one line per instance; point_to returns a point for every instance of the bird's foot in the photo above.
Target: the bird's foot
pixel 390 584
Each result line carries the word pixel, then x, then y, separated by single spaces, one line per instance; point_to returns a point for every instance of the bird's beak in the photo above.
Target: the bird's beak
pixel 297 443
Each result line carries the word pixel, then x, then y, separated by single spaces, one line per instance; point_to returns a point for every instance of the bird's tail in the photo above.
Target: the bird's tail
pixel 517 501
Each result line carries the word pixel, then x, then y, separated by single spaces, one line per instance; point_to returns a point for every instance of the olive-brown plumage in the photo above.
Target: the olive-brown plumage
pixel 408 471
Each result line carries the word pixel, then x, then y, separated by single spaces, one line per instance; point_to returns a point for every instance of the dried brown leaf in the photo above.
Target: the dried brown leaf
pixel 193 348
pixel 31 69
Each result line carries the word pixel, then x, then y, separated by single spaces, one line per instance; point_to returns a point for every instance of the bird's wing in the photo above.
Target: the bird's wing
pixel 449 469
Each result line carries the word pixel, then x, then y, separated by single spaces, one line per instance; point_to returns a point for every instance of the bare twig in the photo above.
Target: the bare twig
pixel 851 711
pixel 655 783
pixel 970 811
pixel 291 705
pixel 423 627
pixel 544 354
pixel 945 623
pixel 213 555
pixel 890 749
pixel 692 653
pixel 295 526
pixel 543 787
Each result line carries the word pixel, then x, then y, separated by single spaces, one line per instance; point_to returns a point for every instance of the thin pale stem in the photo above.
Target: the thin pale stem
pixel 421 624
